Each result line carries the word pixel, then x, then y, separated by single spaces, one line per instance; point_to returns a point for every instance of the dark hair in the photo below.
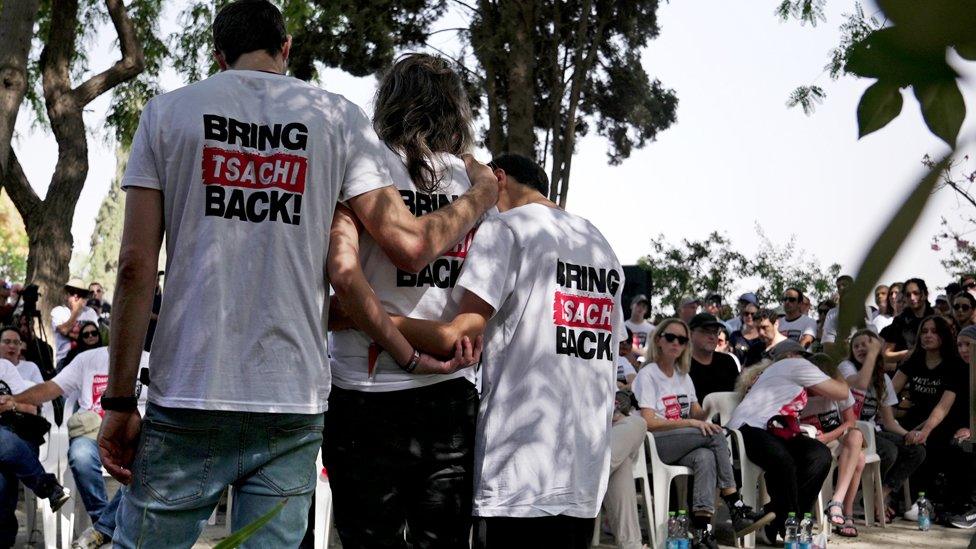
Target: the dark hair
pixel 900 286
pixel 878 375
pixel 248 25
pixel 769 314
pixel 844 277
pixel 524 170
pixel 922 287
pixel 947 350
pixel 9 328
pixel 421 109
pixel 798 291
pixel 964 295
pixel 80 345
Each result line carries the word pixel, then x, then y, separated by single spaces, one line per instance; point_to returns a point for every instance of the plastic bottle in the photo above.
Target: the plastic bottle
pixel 684 530
pixel 806 531
pixel 674 535
pixel 924 512
pixel 792 532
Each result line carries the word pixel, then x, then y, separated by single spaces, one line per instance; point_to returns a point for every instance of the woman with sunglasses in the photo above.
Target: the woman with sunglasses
pixel 89 337
pixel 745 342
pixel 963 310
pixel 667 400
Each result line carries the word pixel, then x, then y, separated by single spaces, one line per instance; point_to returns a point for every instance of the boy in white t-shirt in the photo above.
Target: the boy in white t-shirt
pixel 640 310
pixel 795 467
pixel 544 287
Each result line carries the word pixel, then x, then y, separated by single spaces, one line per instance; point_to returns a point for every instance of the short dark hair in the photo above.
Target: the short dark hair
pixel 524 170
pixel 799 293
pixel 848 278
pixel 9 329
pixel 922 287
pixel 244 26
pixel 769 314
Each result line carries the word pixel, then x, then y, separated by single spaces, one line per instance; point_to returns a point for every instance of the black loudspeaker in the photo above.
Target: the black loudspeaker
pixel 637 281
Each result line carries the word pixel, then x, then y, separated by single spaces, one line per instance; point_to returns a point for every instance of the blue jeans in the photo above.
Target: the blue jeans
pixel 86 467
pixel 18 461
pixel 187 457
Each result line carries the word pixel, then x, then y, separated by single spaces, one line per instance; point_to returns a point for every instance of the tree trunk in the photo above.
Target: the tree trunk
pixel 47 263
pixel 16 29
pixel 518 16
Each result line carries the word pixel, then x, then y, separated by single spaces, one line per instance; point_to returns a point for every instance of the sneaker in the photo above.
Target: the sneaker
pixel 911 515
pixel 746 521
pixel 58 497
pixel 966 520
pixel 704 539
pixel 90 539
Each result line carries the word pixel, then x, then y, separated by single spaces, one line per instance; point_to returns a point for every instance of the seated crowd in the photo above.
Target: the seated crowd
pixel 802 414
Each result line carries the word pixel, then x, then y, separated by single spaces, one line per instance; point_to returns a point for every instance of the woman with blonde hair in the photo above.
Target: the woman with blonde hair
pixel 668 404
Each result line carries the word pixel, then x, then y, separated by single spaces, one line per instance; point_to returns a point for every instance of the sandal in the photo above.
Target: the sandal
pixel 846 530
pixel 835 513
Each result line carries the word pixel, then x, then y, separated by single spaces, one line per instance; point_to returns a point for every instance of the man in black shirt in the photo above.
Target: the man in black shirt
pixel 900 335
pixel 710 372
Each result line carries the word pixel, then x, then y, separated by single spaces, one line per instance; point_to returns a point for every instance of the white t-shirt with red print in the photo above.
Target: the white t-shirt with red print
pixel 642 332
pixel 86 379
pixel 543 435
pixel 780 390
pixel 670 397
pixel 425 295
pixel 866 405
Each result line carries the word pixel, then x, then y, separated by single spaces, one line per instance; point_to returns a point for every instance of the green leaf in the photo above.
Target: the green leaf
pixel 942 107
pixel 884 249
pixel 933 23
pixel 243 534
pixel 880 104
pixel 966 50
pixel 887 54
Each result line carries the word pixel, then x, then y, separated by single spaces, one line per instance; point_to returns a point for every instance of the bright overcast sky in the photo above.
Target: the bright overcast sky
pixel 736 156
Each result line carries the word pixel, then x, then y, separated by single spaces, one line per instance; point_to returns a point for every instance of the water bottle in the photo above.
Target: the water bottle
pixel 806 531
pixel 792 534
pixel 924 512
pixel 674 535
pixel 684 530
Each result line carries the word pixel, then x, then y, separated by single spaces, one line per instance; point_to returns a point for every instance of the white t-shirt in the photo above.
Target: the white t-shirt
pixel 880 322
pixel 866 405
pixel 825 414
pixel 86 379
pixel 642 332
pixel 733 324
pixel 830 326
pixel 251 166
pixel 670 397
pixel 624 369
pixel 29 371
pixel 542 446
pixel 11 382
pixel 797 328
pixel 60 315
pixel 425 295
pixel 780 390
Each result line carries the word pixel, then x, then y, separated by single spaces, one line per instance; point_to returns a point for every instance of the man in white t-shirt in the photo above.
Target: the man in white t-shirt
pixel 66 318
pixel 10 348
pixel 795 325
pixel 640 310
pixel 82 382
pixel 242 172
pixel 795 468
pixel 544 287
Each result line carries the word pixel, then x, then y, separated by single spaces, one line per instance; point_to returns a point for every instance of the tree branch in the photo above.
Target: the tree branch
pixel 469 6
pixel 131 64
pixel 19 189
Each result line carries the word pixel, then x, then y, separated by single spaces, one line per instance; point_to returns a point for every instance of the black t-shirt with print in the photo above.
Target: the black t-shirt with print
pixel 904 329
pixel 716 377
pixel 924 387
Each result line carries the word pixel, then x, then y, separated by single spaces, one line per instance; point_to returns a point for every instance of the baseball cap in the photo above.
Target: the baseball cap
pixel 688 300
pixel 749 297
pixel 705 320
pixel 941 298
pixel 714 298
pixel 784 348
pixel 640 298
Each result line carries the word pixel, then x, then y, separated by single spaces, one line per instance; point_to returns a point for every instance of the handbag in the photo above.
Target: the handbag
pixel 783 426
pixel 29 427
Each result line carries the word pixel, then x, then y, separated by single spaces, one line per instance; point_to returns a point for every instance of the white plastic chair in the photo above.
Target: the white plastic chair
pixel 872 490
pixel 753 482
pixel 323 507
pixel 662 475
pixel 721 404
pixel 48 456
pixel 639 473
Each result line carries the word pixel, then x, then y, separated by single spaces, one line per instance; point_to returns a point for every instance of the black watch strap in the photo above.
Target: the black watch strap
pixel 119 404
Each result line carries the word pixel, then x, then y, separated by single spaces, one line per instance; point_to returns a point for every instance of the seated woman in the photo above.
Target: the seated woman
pixel 795 465
pixel 18 459
pixel 668 404
pixel 929 380
pixel 962 512
pixel 836 425
pixel 874 395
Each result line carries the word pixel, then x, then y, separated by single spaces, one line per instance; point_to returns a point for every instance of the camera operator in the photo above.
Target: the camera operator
pixel 36 350
pixel 64 319
pixel 96 301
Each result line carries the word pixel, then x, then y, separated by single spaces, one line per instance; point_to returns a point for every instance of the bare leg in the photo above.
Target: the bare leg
pixel 847 462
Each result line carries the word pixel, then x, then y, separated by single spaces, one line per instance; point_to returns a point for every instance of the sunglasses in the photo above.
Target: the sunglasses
pixel 89 334
pixel 969 285
pixel 671 338
pixel 747 313
pixel 962 307
pixel 788 299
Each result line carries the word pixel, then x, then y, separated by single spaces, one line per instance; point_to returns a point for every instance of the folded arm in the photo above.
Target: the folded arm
pixel 439 338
